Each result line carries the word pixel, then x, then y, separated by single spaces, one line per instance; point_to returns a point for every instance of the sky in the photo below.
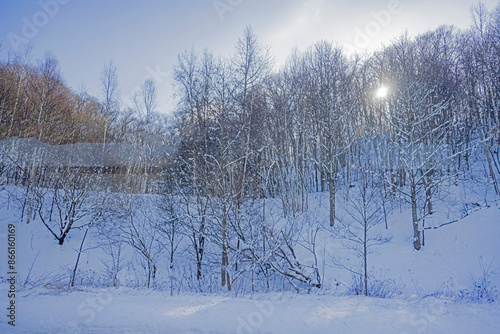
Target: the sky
pixel 144 38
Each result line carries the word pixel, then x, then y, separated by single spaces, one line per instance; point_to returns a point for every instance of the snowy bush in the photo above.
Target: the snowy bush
pixel 480 290
pixel 483 290
pixel 92 278
pixel 379 288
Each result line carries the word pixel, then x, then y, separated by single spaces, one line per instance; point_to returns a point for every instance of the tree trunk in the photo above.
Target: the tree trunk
pixel 331 190
pixel 487 149
pixel 416 233
pixel 225 260
pixel 365 255
pixel 78 258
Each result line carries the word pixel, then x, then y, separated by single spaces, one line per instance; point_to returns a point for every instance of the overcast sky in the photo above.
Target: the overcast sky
pixel 145 37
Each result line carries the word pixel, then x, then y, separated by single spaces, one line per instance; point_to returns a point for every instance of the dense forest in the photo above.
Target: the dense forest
pixel 249 144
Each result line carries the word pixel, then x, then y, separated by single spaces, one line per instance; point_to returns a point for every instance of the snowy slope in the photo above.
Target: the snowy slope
pixel 432 287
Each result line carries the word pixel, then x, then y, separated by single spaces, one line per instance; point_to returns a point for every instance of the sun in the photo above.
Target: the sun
pixel 382 92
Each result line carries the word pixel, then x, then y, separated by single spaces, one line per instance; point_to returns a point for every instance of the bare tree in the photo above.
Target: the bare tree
pixel 364 213
pixel 110 96
pixel 331 80
pixel 64 203
pixel 251 64
pixel 146 101
pixel 141 233
pixel 417 120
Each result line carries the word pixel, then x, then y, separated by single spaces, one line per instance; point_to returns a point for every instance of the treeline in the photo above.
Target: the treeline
pixel 35 102
pixel 247 132
pixel 395 124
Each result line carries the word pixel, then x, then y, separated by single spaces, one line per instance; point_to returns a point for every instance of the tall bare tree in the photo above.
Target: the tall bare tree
pixel 110 97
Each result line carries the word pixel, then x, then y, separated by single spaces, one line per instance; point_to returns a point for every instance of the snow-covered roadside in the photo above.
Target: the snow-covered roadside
pixel 131 311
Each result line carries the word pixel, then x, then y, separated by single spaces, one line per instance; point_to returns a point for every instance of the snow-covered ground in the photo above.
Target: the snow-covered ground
pixel 131 311
pixel 443 288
